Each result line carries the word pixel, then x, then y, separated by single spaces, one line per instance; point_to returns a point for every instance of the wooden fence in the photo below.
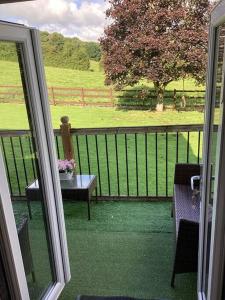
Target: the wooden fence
pixel 107 97
pixel 62 96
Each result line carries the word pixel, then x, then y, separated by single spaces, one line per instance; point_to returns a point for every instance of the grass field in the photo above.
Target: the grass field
pixel 14 117
pixel 93 78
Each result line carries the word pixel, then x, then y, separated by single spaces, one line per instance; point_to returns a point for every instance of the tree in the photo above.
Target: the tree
pixel 8 51
pixel 59 51
pixel 52 46
pixel 157 40
pixel 93 50
pixel 74 55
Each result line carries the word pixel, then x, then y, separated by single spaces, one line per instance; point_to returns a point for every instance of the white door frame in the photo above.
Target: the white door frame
pixel 41 122
pixel 52 150
pixel 216 259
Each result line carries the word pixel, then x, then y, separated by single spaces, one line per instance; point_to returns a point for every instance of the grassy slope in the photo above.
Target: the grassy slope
pixel 56 76
pixel 94 78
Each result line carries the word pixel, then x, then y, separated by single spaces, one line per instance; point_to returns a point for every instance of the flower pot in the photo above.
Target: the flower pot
pixel 66 176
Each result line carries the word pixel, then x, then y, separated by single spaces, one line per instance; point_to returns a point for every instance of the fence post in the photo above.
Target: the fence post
pixel 53 96
pixel 66 138
pixel 82 96
pixel 111 97
pixel 175 97
pixel 183 101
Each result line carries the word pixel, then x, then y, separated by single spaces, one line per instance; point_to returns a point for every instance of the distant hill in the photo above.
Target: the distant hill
pixel 59 51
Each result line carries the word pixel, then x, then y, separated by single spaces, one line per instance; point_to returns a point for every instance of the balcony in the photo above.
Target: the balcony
pixel 128 247
pixel 130 162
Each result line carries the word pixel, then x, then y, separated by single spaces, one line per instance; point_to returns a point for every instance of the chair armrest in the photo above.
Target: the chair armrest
pixel 195 182
pixel 184 172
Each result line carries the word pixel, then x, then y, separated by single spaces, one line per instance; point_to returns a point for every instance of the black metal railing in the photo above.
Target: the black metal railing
pixel 19 159
pixel 134 162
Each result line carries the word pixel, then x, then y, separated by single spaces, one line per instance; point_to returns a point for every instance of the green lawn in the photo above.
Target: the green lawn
pixel 56 76
pixel 14 117
pixel 93 78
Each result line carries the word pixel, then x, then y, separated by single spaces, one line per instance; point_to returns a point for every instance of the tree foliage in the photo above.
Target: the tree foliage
pixel 8 51
pixel 159 40
pixel 59 51
pixel 93 50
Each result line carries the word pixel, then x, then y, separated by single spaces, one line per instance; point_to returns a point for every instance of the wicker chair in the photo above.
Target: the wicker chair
pixel 23 234
pixel 186 212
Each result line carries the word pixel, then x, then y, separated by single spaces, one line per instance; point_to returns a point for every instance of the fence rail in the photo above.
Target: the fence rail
pixel 131 162
pixel 133 98
pixel 62 95
pixel 145 98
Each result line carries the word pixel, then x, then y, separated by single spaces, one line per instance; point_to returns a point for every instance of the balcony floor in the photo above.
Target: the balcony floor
pixel 126 249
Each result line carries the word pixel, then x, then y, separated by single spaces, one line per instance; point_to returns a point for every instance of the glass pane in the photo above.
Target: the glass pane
pixel 216 122
pixel 4 287
pixel 22 166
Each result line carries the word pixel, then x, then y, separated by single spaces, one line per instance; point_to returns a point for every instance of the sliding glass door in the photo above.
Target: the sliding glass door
pixel 33 232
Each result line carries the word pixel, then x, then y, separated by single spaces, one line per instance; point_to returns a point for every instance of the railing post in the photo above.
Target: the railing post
pixel 66 138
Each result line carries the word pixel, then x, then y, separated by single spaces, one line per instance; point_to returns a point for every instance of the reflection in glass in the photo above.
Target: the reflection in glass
pixel 216 122
pixel 22 166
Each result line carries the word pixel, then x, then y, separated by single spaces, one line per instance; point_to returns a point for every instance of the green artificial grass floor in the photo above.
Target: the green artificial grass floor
pixel 126 249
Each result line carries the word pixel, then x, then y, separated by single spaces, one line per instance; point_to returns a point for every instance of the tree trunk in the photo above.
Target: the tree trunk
pixel 160 89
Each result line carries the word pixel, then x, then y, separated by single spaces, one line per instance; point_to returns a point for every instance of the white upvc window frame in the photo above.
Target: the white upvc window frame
pixel 217 249
pixel 41 121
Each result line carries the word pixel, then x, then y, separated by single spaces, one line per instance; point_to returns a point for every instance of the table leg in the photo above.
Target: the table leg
pixel 29 207
pixel 96 194
pixel 89 204
pixel 29 210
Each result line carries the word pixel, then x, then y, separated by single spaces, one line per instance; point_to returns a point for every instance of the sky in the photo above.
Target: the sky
pixel 84 19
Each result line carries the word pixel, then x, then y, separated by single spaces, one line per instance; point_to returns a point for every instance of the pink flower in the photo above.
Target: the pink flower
pixel 66 165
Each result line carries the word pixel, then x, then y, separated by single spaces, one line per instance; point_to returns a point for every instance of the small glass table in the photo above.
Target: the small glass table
pixel 80 187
